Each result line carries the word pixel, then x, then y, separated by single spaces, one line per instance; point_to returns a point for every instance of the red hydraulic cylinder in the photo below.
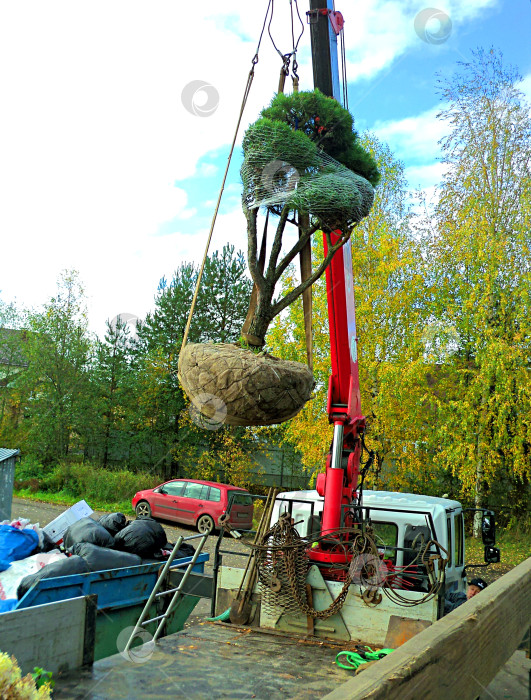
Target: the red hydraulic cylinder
pixel 331 518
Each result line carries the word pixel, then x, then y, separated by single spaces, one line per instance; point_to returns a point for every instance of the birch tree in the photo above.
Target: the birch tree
pixel 481 269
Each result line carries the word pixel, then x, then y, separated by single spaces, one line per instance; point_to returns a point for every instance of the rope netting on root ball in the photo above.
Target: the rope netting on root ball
pixel 235 386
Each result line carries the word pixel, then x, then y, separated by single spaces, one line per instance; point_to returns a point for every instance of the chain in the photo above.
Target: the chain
pixel 291 550
pixel 283 548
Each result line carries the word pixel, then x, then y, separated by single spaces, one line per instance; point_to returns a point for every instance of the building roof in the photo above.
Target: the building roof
pixel 6 454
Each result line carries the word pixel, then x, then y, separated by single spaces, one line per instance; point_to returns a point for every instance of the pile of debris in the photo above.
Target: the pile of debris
pixel 75 543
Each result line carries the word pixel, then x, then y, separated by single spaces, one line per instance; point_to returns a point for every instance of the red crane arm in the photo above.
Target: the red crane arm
pixel 344 402
pixel 338 484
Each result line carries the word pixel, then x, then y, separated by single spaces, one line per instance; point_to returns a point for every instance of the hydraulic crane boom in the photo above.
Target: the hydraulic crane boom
pixel 338 484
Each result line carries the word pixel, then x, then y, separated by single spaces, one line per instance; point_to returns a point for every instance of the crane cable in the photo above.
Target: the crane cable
pixel 286 58
pixel 344 68
pixel 248 84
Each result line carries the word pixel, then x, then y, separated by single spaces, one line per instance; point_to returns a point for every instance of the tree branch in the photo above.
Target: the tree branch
pixel 293 252
pixel 252 259
pixel 290 298
pixel 277 244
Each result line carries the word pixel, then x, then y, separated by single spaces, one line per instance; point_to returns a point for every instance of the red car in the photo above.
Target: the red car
pixel 195 502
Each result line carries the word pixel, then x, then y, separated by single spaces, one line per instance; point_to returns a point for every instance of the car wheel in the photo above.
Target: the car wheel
pixel 205 524
pixel 143 510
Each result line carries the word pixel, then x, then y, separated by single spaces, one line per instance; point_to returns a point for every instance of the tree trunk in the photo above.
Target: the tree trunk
pixel 479 498
pixel 257 330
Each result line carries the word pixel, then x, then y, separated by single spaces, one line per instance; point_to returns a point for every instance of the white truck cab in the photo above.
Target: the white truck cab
pixel 397 519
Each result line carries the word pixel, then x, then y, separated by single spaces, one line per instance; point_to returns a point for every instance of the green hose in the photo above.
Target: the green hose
pixel 222 618
pixel 355 659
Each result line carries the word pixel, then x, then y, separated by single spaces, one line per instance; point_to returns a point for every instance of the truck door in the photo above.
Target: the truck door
pixel 456 551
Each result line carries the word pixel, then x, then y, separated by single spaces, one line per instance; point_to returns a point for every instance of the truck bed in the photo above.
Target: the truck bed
pixel 215 660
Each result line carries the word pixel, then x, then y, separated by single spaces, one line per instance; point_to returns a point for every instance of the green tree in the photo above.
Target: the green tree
pixel 224 298
pixel 481 265
pixel 288 169
pixel 57 383
pixel 114 377
pixel 12 362
pixel 390 298
pixel 218 316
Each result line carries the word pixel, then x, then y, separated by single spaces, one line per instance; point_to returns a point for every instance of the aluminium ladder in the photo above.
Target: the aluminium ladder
pixel 177 592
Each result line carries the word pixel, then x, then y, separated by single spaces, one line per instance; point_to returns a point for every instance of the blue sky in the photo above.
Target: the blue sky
pixel 105 169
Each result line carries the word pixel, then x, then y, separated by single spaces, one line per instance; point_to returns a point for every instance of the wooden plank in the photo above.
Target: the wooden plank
pixel 458 655
pixel 89 632
pixel 51 636
pixel 213 661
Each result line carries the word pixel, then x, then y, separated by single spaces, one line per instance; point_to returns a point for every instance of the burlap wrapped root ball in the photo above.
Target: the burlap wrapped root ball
pixel 253 389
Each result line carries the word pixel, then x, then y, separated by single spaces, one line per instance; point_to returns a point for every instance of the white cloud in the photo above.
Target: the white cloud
pixel 425 177
pixel 525 86
pixel 378 32
pixel 415 137
pixel 207 170
pixel 93 133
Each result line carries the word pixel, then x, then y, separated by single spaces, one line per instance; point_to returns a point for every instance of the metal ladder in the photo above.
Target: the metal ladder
pixel 177 592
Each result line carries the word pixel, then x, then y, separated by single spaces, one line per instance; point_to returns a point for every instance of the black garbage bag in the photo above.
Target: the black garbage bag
pixel 160 558
pixel 87 530
pixel 113 522
pixel 103 558
pixel 47 543
pixel 143 537
pixel 185 550
pixel 63 567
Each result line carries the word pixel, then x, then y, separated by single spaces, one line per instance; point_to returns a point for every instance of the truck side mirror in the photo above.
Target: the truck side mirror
pixel 492 555
pixel 488 528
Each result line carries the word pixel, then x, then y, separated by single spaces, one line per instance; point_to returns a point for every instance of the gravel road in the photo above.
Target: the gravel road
pixel 43 513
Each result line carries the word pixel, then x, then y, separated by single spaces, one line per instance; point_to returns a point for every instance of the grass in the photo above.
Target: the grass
pixel 515 547
pixel 67 483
